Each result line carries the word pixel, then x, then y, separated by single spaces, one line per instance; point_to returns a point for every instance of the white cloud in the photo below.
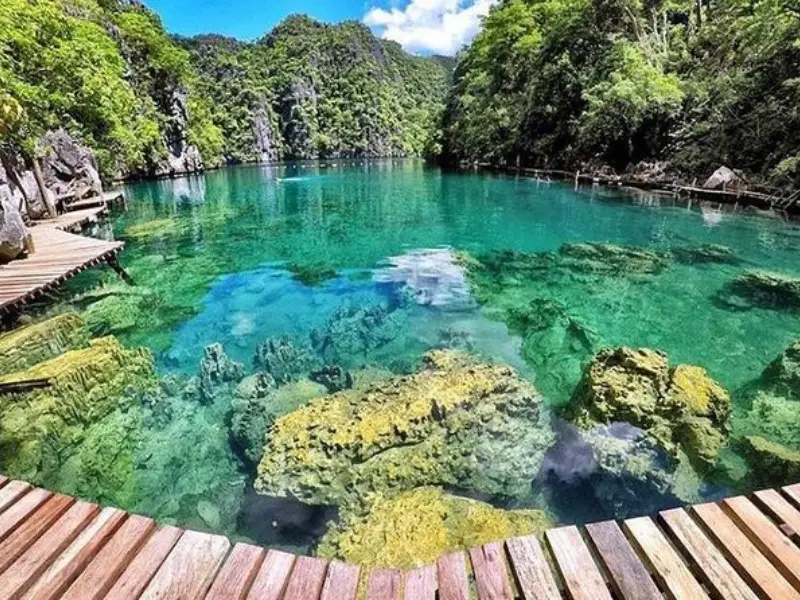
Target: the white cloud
pixel 437 26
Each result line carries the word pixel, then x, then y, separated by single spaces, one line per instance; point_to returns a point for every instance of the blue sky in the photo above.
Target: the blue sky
pixel 421 26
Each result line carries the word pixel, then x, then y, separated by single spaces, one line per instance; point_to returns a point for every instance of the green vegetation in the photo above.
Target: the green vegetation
pixel 589 83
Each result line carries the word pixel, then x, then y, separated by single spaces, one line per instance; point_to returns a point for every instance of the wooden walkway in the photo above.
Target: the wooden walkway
pixel 53 546
pixel 58 256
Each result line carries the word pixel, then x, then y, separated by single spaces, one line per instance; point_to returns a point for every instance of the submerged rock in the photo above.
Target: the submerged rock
pixel 773 464
pixel 312 274
pixel 610 259
pixel 782 375
pixel 771 290
pixel 680 408
pixel 457 422
pixel 704 254
pixel 217 368
pixel 27 346
pixel 355 331
pixel 333 377
pixel 282 360
pixel 415 528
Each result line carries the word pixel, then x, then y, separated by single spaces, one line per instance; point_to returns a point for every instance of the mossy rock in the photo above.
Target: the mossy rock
pixel 610 259
pixel 27 346
pixel 150 230
pixel 416 527
pixel 772 463
pixel 680 408
pixel 456 422
pixel 705 254
pixel 768 289
pixel 782 375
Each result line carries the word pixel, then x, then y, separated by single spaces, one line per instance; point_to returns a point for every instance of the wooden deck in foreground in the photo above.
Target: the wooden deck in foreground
pixel 58 256
pixel 53 546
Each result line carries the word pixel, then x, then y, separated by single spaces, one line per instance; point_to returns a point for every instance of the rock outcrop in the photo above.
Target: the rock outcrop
pixel 282 360
pixel 457 422
pixel 680 408
pixel 770 290
pixel 30 345
pixel 417 527
pixel 182 156
pixel 68 167
pixel 12 228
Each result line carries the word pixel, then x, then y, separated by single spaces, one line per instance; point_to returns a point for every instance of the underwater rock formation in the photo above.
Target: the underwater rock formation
pixel 456 422
pixel 333 377
pixel 312 274
pixel 782 375
pixel 705 254
pixel 771 290
pixel 680 408
pixel 32 344
pixel 416 527
pixel 610 259
pixel 37 429
pixel 773 463
pixel 217 368
pixel 355 331
pixel 281 359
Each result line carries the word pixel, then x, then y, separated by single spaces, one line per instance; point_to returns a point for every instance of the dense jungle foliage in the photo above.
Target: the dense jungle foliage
pixel 570 83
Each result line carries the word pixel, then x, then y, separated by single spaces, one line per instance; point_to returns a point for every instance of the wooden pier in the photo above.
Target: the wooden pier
pixel 57 257
pixel 53 546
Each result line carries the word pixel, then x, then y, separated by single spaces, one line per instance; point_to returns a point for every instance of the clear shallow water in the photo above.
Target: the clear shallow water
pixel 245 254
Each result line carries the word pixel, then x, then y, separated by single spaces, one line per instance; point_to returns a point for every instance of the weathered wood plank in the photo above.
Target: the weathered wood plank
pixel 237 574
pixel 743 554
pixel 145 564
pixel 420 584
pixel 32 528
pixel 111 561
pixel 451 571
pixel 189 569
pixel 780 508
pixel 533 572
pixel 272 576
pixel 21 510
pixel 781 551
pixel 3 480
pixel 712 565
pixel 384 584
pixel 12 492
pixel 491 575
pixel 306 579
pixel 341 582
pixel 629 576
pixel 664 561
pixel 581 575
pixel 793 493
pixel 35 560
pixel 63 570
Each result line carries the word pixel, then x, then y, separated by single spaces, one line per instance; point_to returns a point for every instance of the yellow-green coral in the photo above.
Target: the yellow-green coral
pixel 27 346
pixel 457 422
pixel 416 527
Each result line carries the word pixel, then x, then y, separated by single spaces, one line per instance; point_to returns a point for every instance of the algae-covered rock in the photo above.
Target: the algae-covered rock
pixel 680 408
pixel 705 254
pixel 333 377
pixel 771 290
pixel 150 230
pixel 30 345
pixel 456 422
pixel 312 274
pixel 416 527
pixel 610 259
pixel 352 332
pixel 772 463
pixel 39 427
pixel 217 368
pixel 782 375
pixel 280 358
pixel 114 313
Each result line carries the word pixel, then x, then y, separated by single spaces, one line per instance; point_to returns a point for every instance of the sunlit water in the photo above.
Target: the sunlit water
pixel 231 251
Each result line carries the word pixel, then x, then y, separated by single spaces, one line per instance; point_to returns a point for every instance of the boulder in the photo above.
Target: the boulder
pixel 415 528
pixel 457 422
pixel 767 289
pixel 13 234
pixel 68 166
pixel 681 409
pixel 724 178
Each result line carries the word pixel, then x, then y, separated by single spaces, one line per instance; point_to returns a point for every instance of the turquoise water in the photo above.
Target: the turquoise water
pixel 241 255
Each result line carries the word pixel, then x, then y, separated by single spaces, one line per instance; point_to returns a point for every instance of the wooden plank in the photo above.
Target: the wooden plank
pixel 238 573
pixel 629 576
pixel 189 569
pixel 712 565
pixel 534 577
pixel 341 582
pixel 32 528
pixel 69 564
pixel 272 576
pixel 581 575
pixel 21 510
pixel 306 579
pixel 384 584
pixel 12 492
pixel 111 561
pixel 491 576
pixel 663 560
pixel 793 493
pixel 140 571
pixel 420 584
pixel 35 560
pixel 781 551
pixel 743 554
pixel 451 571
pixel 780 508
pixel 3 480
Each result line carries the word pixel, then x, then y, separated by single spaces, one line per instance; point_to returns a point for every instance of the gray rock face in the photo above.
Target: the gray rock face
pixel 266 149
pixel 12 227
pixel 182 156
pixel 299 119
pixel 723 178
pixel 68 166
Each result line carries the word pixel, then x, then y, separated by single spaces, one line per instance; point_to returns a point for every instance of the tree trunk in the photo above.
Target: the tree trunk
pixel 698 5
pixel 37 174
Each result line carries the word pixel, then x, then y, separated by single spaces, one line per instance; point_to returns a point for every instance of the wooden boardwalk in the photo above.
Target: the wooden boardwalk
pixel 53 546
pixel 58 256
